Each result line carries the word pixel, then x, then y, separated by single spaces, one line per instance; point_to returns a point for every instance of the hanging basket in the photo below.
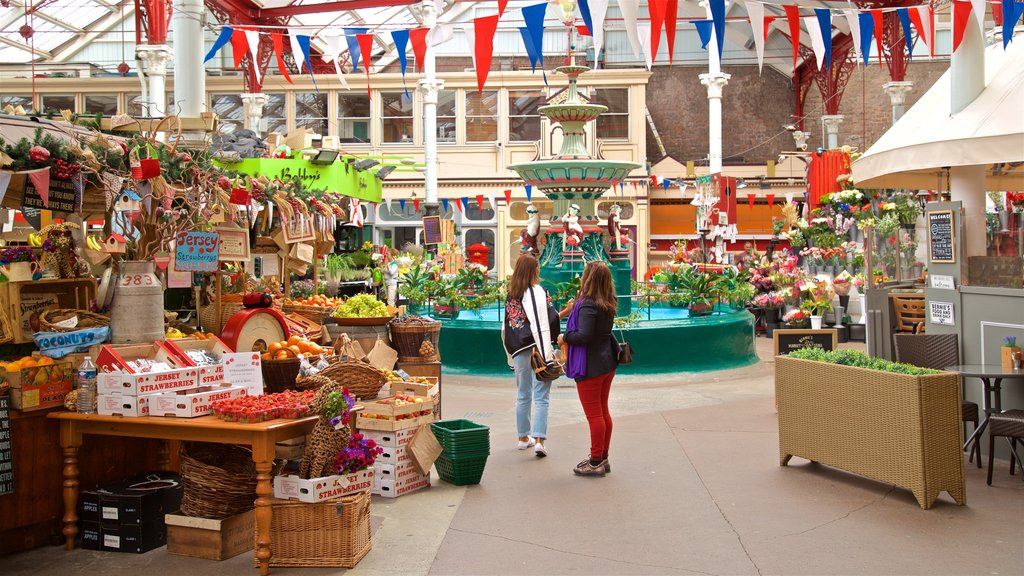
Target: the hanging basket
pixel 219 480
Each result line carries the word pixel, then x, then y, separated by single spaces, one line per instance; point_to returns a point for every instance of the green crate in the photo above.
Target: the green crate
pixel 467 453
pixel 459 430
pixel 461 471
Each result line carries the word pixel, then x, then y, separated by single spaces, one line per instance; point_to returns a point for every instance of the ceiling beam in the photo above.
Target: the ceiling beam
pixel 25 47
pixel 68 50
pixel 336 6
pixel 44 16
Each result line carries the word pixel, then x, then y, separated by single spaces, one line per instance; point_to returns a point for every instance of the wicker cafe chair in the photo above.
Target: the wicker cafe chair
pixel 938 351
pixel 909 315
pixel 1010 425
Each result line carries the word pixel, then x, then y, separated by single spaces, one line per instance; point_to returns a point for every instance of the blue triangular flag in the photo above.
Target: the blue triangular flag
pixel 621 186
pixel 224 38
pixel 665 182
pixel 905 22
pixel 1011 13
pixel 529 192
pixel 825 23
pixel 465 202
pixel 531 51
pixel 401 204
pixel 303 41
pixel 587 19
pixel 353 45
pixel 718 16
pixel 534 18
pixel 401 38
pixel 867 32
pixel 704 31
pixel 444 202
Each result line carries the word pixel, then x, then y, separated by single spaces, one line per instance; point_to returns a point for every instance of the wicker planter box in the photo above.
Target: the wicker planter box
pixel 899 429
pixel 331 533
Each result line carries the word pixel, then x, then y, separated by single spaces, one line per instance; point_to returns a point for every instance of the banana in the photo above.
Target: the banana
pixel 93 243
pixel 35 240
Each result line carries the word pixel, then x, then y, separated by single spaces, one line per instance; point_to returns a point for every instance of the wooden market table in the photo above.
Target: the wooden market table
pixel 262 437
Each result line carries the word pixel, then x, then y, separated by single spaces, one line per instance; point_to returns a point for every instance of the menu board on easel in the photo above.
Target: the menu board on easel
pixel 941 237
pixel 6 457
pixel 432 230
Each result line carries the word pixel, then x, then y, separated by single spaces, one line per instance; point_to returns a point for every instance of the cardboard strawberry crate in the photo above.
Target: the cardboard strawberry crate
pixel 191 402
pixel 120 405
pixel 391 439
pixel 395 487
pixel 394 455
pixel 112 358
pixel 384 414
pixel 315 490
pixel 383 471
pixel 126 384
pixel 431 390
pixel 209 375
pixel 40 387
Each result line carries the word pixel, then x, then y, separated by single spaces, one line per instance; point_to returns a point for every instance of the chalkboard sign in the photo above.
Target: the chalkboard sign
pixel 6 457
pixel 431 229
pixel 941 237
pixel 64 195
pixel 787 341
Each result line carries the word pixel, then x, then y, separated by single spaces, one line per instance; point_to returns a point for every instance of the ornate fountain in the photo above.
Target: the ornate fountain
pixel 573 179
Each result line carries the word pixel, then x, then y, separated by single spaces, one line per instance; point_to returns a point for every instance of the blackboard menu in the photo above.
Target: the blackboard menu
pixel 63 196
pixel 6 456
pixel 787 341
pixel 431 229
pixel 941 237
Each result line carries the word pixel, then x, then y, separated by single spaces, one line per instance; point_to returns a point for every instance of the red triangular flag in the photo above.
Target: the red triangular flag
pixel 480 201
pixel 418 37
pixel 750 199
pixel 767 24
pixel 416 204
pixel 508 197
pixel 670 27
pixel 654 181
pixel 657 10
pixel 278 41
pixel 877 16
pixel 634 186
pixel 581 29
pixel 458 204
pixel 793 16
pixel 239 45
pixel 501 7
pixel 366 48
pixel 770 197
pixel 41 181
pixel 919 25
pixel 484 29
pixel 961 16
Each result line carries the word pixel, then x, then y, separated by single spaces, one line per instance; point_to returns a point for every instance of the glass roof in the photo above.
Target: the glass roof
pixel 55 23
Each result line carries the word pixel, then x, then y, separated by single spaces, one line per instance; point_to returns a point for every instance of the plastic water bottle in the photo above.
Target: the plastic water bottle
pixel 87 387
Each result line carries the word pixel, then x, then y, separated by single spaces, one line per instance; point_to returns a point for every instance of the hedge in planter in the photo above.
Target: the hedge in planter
pixel 894 423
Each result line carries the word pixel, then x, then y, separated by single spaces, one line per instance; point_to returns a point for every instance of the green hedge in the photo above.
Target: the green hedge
pixel 859 360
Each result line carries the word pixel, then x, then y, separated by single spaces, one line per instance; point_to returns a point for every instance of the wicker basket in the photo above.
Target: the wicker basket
pixel 6 330
pixel 408 337
pixel 317 314
pixel 209 319
pixel 361 379
pixel 219 480
pixel 280 375
pixel 331 533
pixel 48 320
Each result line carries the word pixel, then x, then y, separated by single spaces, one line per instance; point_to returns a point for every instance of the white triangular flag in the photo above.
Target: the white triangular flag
pixel 440 34
pixel 854 21
pixel 471 40
pixel 388 202
pixel 817 42
pixel 756 12
pixel 682 190
pixel 644 31
pixel 494 203
pixel 978 8
pixel 297 56
pixel 252 37
pixel 926 13
pixel 598 11
pixel 333 55
pixel 629 9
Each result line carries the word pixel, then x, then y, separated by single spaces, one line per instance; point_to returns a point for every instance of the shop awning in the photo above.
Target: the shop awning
pixel 913 153
pixel 338 177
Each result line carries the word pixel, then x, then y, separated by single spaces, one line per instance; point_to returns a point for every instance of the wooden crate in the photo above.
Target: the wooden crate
pixel 208 538
pixel 428 370
pixel 19 300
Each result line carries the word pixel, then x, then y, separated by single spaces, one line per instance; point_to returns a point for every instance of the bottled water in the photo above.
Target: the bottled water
pixel 87 387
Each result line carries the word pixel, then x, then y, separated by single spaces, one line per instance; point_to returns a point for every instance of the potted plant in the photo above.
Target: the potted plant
pixel 1008 350
pixel 699 290
pixel 816 294
pixel 19 264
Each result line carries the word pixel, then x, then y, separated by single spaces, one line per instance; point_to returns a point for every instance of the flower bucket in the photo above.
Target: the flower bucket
pixel 20 271
pixel 816 322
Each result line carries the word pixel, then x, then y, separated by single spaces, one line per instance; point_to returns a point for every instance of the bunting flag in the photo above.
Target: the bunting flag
pixel 529 193
pixel 484 28
pixel 479 201
pixel 41 181
pixel 333 55
pixel 278 41
pixel 771 198
pixel 853 21
pixel 979 7
pixel 904 16
pixel 629 9
pixel 750 199
pixel 239 46
pixel 817 43
pixel 876 16
pixel 531 51
pixel 793 17
pixel 355 213
pixel 401 204
pixel 508 197
pixel 961 16
pixel 1012 12
pixel 582 30
pixel 5 180
pixel 756 12
pixel 533 16
pixel 353 45
pixel 401 39
pixel 867 28
pixel 671 8
pixel 471 41
pixel 622 186
pixel 657 10
pixel 598 11
pixel 493 201
pixel 252 38
pixel 588 20
pixel 387 201
pixel 921 18
pixel 366 47
pixel 440 34
pixel 704 28
pixel 297 52
pixel 416 205
pixel 665 183
pixel 644 32
pixel 634 187
pixel 718 15
pixel 824 16
pixel 418 36
pixel 501 7
pixel 460 204
pixel 444 203
pixel 221 41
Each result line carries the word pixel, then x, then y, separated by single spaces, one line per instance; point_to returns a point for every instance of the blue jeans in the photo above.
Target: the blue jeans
pixel 530 389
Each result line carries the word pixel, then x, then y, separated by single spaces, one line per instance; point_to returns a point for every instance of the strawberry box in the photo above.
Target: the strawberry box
pixel 395 487
pixel 207 355
pixel 391 439
pixel 111 358
pixel 315 490
pixel 191 402
pixel 150 383
pixel 393 455
pixel 396 413
pixel 120 405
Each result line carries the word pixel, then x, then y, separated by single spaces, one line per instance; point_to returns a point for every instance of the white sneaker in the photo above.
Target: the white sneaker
pixel 540 450
pixel 529 442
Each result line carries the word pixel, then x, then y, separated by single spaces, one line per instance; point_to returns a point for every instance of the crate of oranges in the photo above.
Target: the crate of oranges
pixel 281 362
pixel 317 308
pixel 38 383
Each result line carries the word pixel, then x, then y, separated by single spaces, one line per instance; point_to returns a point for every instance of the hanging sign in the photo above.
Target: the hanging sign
pixel 62 196
pixel 941 237
pixel 6 452
pixel 234 244
pixel 197 252
pixel 432 230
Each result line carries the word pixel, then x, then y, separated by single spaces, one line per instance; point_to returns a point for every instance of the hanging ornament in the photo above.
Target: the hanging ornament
pixel 123 69
pixel 26 31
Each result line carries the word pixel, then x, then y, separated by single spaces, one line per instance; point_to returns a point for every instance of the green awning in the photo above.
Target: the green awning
pixel 337 177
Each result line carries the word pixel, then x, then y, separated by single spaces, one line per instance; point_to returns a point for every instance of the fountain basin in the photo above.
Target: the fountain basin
pixel 572 112
pixel 560 178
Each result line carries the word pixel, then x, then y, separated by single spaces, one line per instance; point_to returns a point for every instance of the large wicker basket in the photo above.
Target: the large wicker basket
pixel 219 480
pixel 331 533
pixel 49 319
pixel 317 314
pixel 211 321
pixel 408 337
pixel 280 375
pixel 361 379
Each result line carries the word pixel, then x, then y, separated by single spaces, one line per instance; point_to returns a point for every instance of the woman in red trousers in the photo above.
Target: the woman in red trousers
pixel 592 360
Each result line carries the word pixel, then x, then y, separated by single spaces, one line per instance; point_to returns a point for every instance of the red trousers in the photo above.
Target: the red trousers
pixel 594 397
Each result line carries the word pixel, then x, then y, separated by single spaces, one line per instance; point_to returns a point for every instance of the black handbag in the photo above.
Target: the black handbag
pixel 625 351
pixel 545 370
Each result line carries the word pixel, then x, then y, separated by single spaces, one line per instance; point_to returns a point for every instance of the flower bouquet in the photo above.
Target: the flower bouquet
pixel 816 294
pixel 841 285
pixel 338 408
pixel 359 455
pixel 796 319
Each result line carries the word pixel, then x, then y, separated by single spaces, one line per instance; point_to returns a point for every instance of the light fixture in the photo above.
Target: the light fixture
pixel 324 156
pixel 922 199
pixel 741 183
pixel 366 163
pixel 384 172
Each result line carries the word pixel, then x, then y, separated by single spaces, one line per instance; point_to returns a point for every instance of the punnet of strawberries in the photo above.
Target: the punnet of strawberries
pixel 252 409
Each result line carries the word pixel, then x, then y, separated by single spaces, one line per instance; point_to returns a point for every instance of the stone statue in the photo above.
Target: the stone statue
pixel 528 236
pixel 614 230
pixel 571 225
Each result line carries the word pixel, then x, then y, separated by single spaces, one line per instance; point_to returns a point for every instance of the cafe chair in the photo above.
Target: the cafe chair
pixel 909 314
pixel 938 351
pixel 1010 425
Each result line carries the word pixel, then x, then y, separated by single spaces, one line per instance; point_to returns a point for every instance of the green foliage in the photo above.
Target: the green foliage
pixel 18 151
pixel 859 359
pixel 696 287
pixel 565 291
pixel 414 286
pixel 361 259
pixel 338 263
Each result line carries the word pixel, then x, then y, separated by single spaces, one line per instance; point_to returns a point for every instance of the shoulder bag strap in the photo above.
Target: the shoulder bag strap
pixel 536 318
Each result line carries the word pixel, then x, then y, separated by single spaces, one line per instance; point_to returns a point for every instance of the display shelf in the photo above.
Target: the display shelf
pixel 19 300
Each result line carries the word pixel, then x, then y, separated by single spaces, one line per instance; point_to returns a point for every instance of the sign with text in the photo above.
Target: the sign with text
pixel 943 282
pixel 6 455
pixel 787 341
pixel 234 244
pixel 244 369
pixel 942 313
pixel 63 196
pixel 432 230
pixel 941 237
pixel 197 252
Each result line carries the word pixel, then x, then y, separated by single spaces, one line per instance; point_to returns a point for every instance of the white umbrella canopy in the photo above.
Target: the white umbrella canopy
pixel 916 151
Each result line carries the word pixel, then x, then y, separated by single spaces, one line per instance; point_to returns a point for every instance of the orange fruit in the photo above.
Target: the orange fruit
pixel 27 362
pixel 295 349
pixel 294 340
pixel 45 361
pixel 316 349
pixel 265 356
pixel 274 347
pixel 281 355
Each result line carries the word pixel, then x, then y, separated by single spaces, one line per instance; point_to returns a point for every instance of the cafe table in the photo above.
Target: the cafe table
pixel 261 436
pixel 991 376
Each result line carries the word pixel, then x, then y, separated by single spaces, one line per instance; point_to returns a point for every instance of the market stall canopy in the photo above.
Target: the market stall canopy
pixel 339 176
pixel 928 138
